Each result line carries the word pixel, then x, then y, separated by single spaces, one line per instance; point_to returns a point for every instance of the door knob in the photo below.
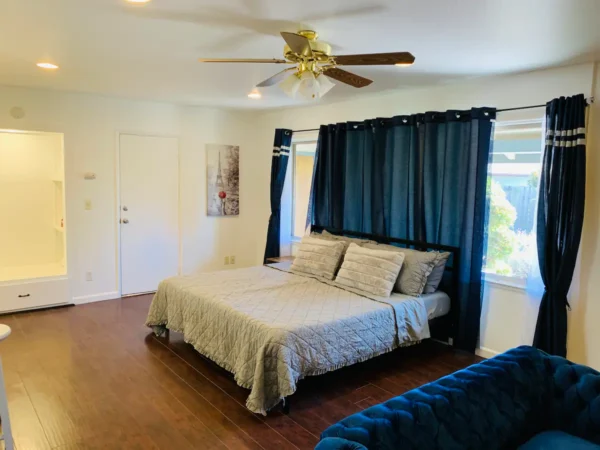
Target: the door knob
pixel 125 221
pixel 125 208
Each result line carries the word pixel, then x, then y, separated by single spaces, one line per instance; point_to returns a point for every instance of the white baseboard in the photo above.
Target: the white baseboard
pixel 486 352
pixel 96 297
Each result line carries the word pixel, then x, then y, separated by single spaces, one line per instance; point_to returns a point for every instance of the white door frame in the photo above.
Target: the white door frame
pixel 117 216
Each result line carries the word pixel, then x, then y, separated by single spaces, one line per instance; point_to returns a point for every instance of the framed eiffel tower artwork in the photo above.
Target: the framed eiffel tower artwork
pixel 223 180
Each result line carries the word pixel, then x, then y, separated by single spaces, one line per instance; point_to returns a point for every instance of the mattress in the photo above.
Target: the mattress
pixel 437 304
pixel 271 328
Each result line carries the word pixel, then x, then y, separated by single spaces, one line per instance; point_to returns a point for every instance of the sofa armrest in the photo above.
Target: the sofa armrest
pixel 575 398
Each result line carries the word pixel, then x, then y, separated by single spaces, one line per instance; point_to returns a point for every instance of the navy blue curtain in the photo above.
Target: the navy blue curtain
pixel 279 162
pixel 560 216
pixel 420 177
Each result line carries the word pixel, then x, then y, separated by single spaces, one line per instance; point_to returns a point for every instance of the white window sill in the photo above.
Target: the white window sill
pixel 505 282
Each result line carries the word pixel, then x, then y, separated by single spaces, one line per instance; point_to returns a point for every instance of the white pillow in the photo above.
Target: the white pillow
pixel 371 271
pixel 318 257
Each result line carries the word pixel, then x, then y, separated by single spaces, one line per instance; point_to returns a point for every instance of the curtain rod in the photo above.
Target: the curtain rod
pixel 589 101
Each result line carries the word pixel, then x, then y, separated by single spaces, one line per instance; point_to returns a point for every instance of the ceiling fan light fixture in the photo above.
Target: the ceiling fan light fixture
pixel 325 84
pixel 306 85
pixel 309 86
pixel 255 94
pixel 290 85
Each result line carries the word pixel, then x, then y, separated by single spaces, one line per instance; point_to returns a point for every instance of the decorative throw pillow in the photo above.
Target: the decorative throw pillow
pixel 435 277
pixel 318 257
pixel 371 271
pixel 415 270
pixel 348 240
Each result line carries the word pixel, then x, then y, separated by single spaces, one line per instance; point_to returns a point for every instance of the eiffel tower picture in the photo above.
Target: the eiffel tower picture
pixel 220 184
pixel 221 188
pixel 222 164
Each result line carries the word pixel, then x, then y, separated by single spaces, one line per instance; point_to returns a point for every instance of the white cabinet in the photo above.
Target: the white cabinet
pixel 34 294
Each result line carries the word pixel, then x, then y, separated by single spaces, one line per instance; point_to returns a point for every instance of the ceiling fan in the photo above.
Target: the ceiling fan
pixel 314 65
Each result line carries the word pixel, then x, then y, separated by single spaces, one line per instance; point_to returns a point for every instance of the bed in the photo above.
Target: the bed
pixel 271 328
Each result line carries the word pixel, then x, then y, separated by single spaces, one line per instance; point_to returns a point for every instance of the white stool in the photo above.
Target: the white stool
pixel 4 419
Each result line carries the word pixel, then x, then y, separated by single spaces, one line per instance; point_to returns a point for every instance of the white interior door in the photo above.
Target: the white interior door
pixel 149 211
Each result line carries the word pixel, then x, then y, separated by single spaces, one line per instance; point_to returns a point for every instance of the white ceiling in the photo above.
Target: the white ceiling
pixel 111 47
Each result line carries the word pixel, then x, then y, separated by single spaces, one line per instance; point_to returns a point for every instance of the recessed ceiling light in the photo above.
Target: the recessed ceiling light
pixel 138 1
pixel 254 94
pixel 47 65
pixel 403 64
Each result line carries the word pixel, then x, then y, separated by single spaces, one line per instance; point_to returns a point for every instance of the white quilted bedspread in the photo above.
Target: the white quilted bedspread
pixel 271 328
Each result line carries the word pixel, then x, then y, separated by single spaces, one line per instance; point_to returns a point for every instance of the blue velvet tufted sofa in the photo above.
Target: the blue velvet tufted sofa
pixel 523 399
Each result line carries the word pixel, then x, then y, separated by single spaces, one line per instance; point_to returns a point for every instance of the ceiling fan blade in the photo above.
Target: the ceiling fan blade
pixel 275 78
pixel 375 59
pixel 337 14
pixel 243 60
pixel 298 44
pixel 347 77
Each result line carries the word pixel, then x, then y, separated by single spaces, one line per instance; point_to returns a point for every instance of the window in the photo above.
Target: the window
pixel 303 154
pixel 513 181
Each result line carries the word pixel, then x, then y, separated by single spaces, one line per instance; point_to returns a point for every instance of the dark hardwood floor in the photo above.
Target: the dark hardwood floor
pixel 93 377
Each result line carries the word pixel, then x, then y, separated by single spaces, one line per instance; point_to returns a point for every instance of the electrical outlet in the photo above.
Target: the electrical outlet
pixel 227 260
pixel 88 205
pixel 88 276
pixel 232 259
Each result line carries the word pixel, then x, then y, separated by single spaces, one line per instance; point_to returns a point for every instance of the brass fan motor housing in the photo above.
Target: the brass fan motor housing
pixel 321 50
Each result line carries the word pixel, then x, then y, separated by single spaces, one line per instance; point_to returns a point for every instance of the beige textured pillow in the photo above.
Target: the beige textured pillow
pixel 435 277
pixel 348 240
pixel 415 270
pixel 318 257
pixel 371 271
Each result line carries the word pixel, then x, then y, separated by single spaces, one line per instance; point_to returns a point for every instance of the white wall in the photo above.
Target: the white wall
pixel 502 92
pixel 509 315
pixel 584 331
pixel 207 240
pixel 90 125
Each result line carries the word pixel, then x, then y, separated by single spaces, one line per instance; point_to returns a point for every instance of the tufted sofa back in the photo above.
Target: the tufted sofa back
pixel 496 404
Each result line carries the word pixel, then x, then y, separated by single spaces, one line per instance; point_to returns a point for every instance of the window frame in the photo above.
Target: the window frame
pixel 295 142
pixel 504 280
pixel 508 281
